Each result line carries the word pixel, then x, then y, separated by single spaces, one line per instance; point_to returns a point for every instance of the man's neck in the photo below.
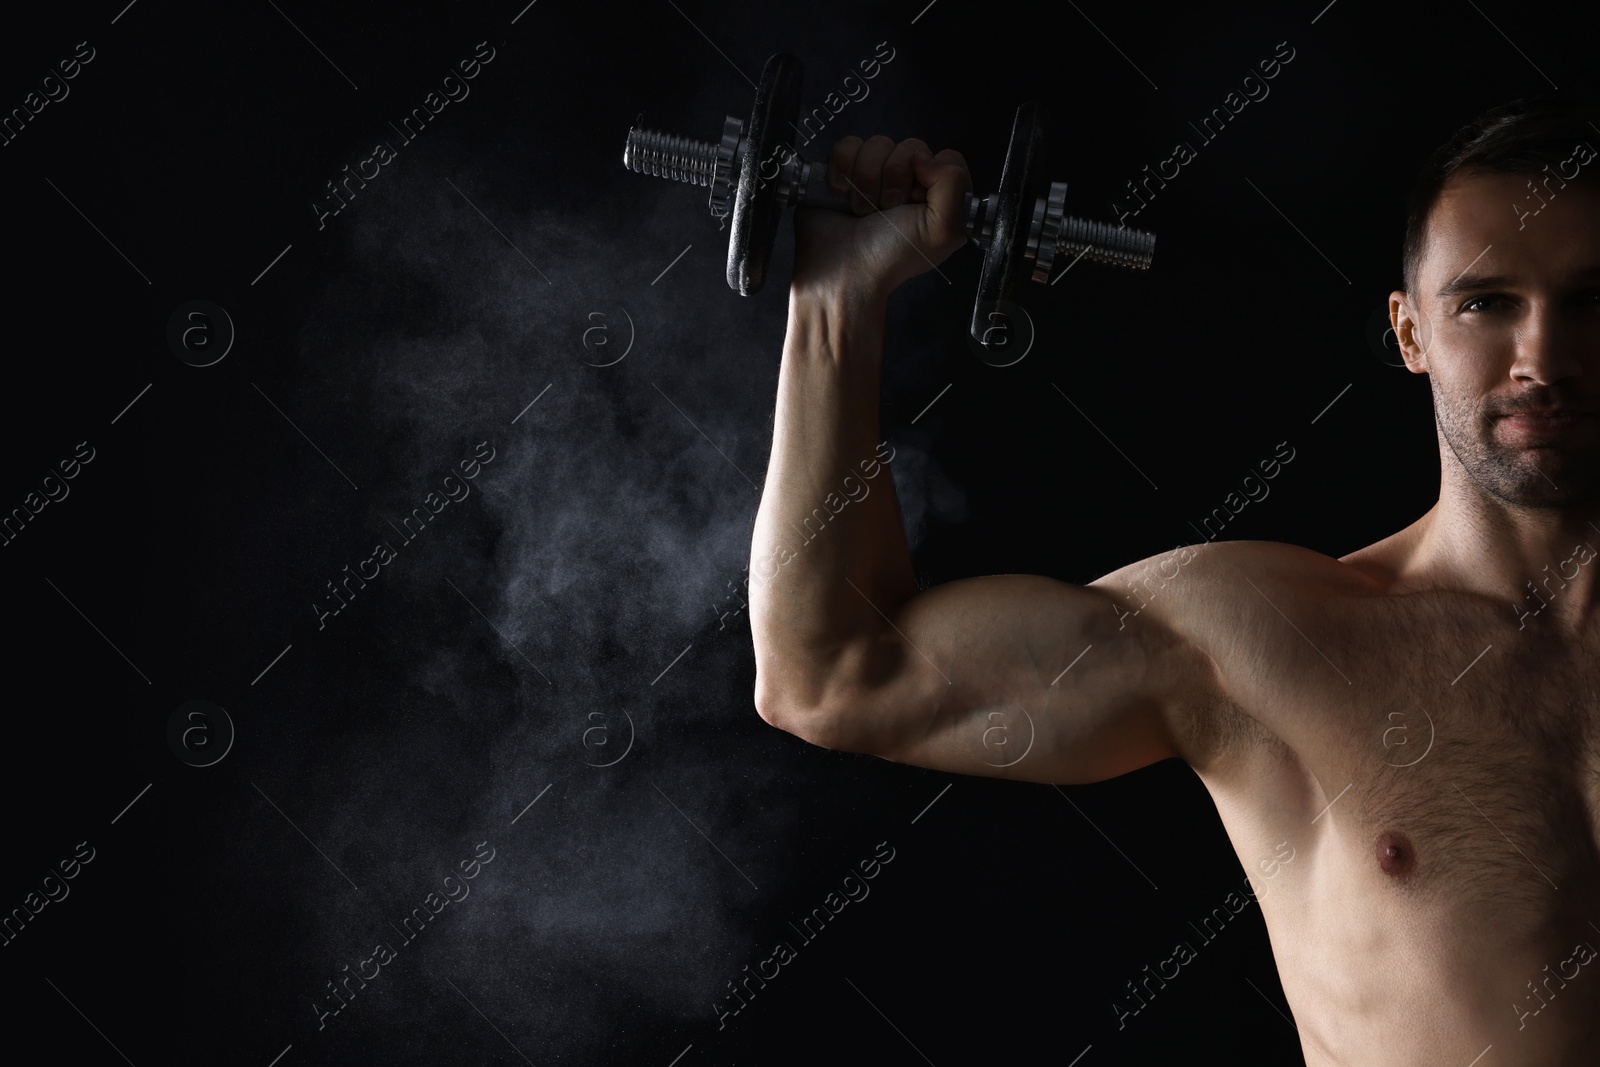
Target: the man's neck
pixel 1545 561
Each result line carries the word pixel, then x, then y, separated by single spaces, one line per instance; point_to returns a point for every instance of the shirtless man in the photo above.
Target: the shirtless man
pixel 1443 906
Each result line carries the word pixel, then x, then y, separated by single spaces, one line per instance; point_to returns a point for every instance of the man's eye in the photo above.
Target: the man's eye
pixel 1470 304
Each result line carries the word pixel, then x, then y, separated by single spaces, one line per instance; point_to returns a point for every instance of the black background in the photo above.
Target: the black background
pixel 601 542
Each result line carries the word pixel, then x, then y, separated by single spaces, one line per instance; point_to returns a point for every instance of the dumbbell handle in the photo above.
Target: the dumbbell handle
pixel 800 182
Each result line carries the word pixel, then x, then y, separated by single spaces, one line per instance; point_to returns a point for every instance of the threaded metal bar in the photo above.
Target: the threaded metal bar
pixel 680 159
pixel 1117 246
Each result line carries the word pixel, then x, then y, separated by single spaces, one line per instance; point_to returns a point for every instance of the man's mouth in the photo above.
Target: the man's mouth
pixel 1549 422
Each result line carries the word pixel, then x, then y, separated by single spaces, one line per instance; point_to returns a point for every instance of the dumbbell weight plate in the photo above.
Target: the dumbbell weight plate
pixel 755 206
pixel 1020 180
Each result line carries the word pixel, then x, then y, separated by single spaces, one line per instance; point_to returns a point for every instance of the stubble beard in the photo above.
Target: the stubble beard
pixel 1521 477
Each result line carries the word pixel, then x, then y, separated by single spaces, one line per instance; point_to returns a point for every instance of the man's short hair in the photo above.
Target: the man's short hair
pixel 1525 136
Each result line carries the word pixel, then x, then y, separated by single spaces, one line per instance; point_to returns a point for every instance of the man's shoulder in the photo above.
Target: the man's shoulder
pixel 1227 611
pixel 1216 575
pixel 1251 609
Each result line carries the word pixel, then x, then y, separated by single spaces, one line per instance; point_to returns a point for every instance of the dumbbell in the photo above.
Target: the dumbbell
pixel 753 172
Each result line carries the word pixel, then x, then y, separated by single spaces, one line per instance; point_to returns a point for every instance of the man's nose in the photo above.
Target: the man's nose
pixel 1546 347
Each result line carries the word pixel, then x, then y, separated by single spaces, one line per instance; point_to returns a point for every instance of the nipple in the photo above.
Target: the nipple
pixel 1396 857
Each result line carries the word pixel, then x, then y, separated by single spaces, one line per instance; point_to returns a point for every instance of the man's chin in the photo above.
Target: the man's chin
pixel 1542 478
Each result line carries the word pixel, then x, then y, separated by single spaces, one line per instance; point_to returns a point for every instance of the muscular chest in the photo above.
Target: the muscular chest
pixel 1462 800
pixel 1441 759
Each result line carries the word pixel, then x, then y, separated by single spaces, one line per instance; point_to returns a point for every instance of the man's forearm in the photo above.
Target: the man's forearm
pixel 829 550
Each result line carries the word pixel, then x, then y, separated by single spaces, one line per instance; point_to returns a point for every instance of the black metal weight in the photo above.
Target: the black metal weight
pixel 755 201
pixel 1008 245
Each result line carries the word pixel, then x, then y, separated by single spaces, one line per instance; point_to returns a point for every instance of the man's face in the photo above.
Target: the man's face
pixel 1506 323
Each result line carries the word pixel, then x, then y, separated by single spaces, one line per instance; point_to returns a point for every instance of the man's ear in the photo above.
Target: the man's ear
pixel 1410 331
